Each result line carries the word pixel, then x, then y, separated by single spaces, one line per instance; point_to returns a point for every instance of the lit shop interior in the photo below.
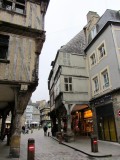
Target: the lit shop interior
pixel 82 121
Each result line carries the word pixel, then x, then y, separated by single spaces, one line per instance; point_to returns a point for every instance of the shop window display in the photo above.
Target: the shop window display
pixel 82 123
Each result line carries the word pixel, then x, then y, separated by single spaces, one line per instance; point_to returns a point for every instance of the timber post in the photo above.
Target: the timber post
pixel 22 99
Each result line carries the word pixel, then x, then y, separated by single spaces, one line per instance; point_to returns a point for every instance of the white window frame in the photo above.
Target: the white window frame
pixel 93 32
pixel 68 86
pixel 96 85
pixel 105 79
pixel 95 89
pixel 92 62
pixel 101 50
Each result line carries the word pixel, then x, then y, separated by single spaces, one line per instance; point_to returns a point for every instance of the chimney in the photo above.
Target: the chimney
pixel 92 14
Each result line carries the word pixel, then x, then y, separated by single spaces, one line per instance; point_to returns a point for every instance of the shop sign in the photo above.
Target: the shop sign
pixel 103 100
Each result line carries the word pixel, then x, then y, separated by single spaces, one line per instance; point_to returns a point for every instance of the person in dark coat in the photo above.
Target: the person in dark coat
pixel 7 132
pixel 45 128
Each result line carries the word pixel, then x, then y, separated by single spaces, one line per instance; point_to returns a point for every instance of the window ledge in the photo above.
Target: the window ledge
pixel 4 61
pixel 93 65
pixel 107 88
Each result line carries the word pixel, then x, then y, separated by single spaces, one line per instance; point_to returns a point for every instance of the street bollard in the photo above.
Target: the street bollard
pixel 60 138
pixel 31 149
pixel 94 143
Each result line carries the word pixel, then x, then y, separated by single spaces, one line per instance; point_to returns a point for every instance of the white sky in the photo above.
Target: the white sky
pixel 64 19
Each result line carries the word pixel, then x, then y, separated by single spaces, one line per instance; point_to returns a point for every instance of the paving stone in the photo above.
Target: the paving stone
pixel 46 148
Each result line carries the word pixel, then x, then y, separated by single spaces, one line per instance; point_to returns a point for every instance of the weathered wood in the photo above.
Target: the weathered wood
pixel 22 99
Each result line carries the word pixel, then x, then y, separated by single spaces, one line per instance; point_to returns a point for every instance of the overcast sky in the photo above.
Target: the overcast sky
pixel 64 19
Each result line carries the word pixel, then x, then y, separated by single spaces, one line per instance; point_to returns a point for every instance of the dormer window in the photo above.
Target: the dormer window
pixel 93 32
pixel 14 5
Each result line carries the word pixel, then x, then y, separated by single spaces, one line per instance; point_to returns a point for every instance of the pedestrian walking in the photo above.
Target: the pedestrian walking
pixel 7 132
pixel 45 128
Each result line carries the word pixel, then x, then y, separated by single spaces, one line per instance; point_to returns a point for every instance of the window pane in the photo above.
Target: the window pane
pixel 66 87
pixel 93 32
pixel 3 52
pixel 96 85
pixel 19 8
pixel 102 50
pixel 68 84
pixel 93 60
pixel 3 46
pixel 106 77
pixel 66 80
pixel 21 1
pixel 8 5
pixel 70 80
pixel 70 87
pixel 4 40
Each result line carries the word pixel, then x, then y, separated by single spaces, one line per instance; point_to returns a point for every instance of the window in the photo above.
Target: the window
pixel 101 51
pixel 105 78
pixel 96 84
pixel 14 5
pixel 93 32
pixel 68 83
pixel 92 59
pixel 4 40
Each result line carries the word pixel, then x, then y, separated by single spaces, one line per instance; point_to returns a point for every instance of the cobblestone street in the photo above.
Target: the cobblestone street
pixel 47 148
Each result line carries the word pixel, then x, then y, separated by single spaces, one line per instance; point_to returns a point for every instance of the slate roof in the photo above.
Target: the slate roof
pixel 78 43
pixel 75 45
pixel 109 15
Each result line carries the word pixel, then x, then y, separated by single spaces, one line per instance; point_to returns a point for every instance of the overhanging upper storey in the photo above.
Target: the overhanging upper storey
pixel 27 13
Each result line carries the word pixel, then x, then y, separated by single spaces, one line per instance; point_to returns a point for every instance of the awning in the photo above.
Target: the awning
pixel 78 107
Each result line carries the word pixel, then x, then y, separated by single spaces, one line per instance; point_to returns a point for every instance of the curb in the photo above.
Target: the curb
pixel 90 155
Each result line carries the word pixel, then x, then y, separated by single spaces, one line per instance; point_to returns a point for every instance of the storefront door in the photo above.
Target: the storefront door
pixel 106 124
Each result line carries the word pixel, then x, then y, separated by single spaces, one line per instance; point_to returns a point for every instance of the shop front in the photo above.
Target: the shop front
pixel 106 119
pixel 106 123
pixel 82 122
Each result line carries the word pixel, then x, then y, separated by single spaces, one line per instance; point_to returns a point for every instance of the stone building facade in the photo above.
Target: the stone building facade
pixel 103 60
pixel 96 84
